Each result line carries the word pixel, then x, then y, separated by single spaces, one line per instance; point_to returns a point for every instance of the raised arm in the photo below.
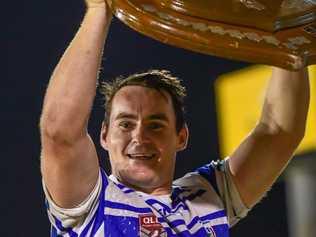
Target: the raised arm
pixel 263 155
pixel 69 161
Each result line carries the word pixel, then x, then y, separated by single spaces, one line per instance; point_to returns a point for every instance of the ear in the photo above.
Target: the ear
pixel 103 136
pixel 183 138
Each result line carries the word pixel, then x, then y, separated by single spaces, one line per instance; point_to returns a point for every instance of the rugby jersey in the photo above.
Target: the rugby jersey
pixel 202 203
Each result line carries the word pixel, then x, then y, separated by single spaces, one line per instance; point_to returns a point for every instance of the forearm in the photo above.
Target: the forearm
pixel 286 103
pixel 72 87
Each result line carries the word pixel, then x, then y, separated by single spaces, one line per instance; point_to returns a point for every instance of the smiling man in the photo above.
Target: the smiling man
pixel 144 128
pixel 142 131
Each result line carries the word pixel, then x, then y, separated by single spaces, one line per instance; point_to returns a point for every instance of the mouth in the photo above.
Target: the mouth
pixel 141 156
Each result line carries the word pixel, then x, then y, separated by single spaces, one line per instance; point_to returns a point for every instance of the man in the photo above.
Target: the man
pixel 142 132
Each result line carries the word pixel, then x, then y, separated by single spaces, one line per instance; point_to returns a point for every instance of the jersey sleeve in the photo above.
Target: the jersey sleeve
pixel 218 175
pixel 69 220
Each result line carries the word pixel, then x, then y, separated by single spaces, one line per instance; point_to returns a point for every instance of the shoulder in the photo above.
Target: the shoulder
pixel 206 176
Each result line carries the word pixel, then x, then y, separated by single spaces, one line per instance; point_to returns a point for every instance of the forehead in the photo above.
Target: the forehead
pixel 136 99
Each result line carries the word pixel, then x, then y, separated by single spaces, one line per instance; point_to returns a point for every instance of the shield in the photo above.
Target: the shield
pixel 273 32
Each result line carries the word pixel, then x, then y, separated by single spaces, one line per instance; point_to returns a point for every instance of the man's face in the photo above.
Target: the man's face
pixel 141 138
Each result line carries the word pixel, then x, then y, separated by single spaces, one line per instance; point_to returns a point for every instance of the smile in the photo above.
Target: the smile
pixel 141 156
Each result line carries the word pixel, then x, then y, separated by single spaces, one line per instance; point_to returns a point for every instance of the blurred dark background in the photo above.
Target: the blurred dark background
pixel 37 34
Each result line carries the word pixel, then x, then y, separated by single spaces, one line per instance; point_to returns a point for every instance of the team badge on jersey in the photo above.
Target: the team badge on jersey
pixel 210 232
pixel 150 227
pixel 209 229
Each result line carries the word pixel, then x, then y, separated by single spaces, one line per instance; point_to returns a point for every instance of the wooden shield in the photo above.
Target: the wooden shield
pixel 272 32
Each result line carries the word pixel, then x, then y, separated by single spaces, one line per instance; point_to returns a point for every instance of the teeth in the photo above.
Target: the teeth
pixel 141 156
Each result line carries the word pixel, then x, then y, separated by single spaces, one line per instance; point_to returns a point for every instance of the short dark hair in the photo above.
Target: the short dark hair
pixel 157 79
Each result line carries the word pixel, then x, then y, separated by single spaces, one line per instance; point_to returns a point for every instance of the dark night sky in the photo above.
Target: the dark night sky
pixel 38 33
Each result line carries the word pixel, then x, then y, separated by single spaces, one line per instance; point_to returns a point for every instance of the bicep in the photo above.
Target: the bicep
pixel 258 162
pixel 70 171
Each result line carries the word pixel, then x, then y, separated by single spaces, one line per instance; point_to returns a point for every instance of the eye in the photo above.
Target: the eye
pixel 125 125
pixel 155 126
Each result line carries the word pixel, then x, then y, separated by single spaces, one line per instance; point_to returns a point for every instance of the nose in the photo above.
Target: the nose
pixel 140 135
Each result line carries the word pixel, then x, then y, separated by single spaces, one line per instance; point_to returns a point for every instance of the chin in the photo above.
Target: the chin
pixel 142 180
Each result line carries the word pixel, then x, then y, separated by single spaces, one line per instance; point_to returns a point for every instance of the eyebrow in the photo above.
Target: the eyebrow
pixel 123 115
pixel 159 116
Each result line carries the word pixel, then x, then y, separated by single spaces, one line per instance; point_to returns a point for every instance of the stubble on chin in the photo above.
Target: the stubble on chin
pixel 139 180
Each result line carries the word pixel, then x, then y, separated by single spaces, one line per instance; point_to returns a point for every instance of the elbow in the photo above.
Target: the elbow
pixel 57 129
pixel 290 137
pixel 50 129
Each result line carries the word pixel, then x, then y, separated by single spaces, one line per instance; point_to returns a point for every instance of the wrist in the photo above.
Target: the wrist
pixel 100 6
pixel 99 9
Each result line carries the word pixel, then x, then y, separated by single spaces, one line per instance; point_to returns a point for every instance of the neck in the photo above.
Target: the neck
pixel 156 191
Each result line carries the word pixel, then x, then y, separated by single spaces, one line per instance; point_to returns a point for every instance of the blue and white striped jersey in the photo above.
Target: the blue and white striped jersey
pixel 202 203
